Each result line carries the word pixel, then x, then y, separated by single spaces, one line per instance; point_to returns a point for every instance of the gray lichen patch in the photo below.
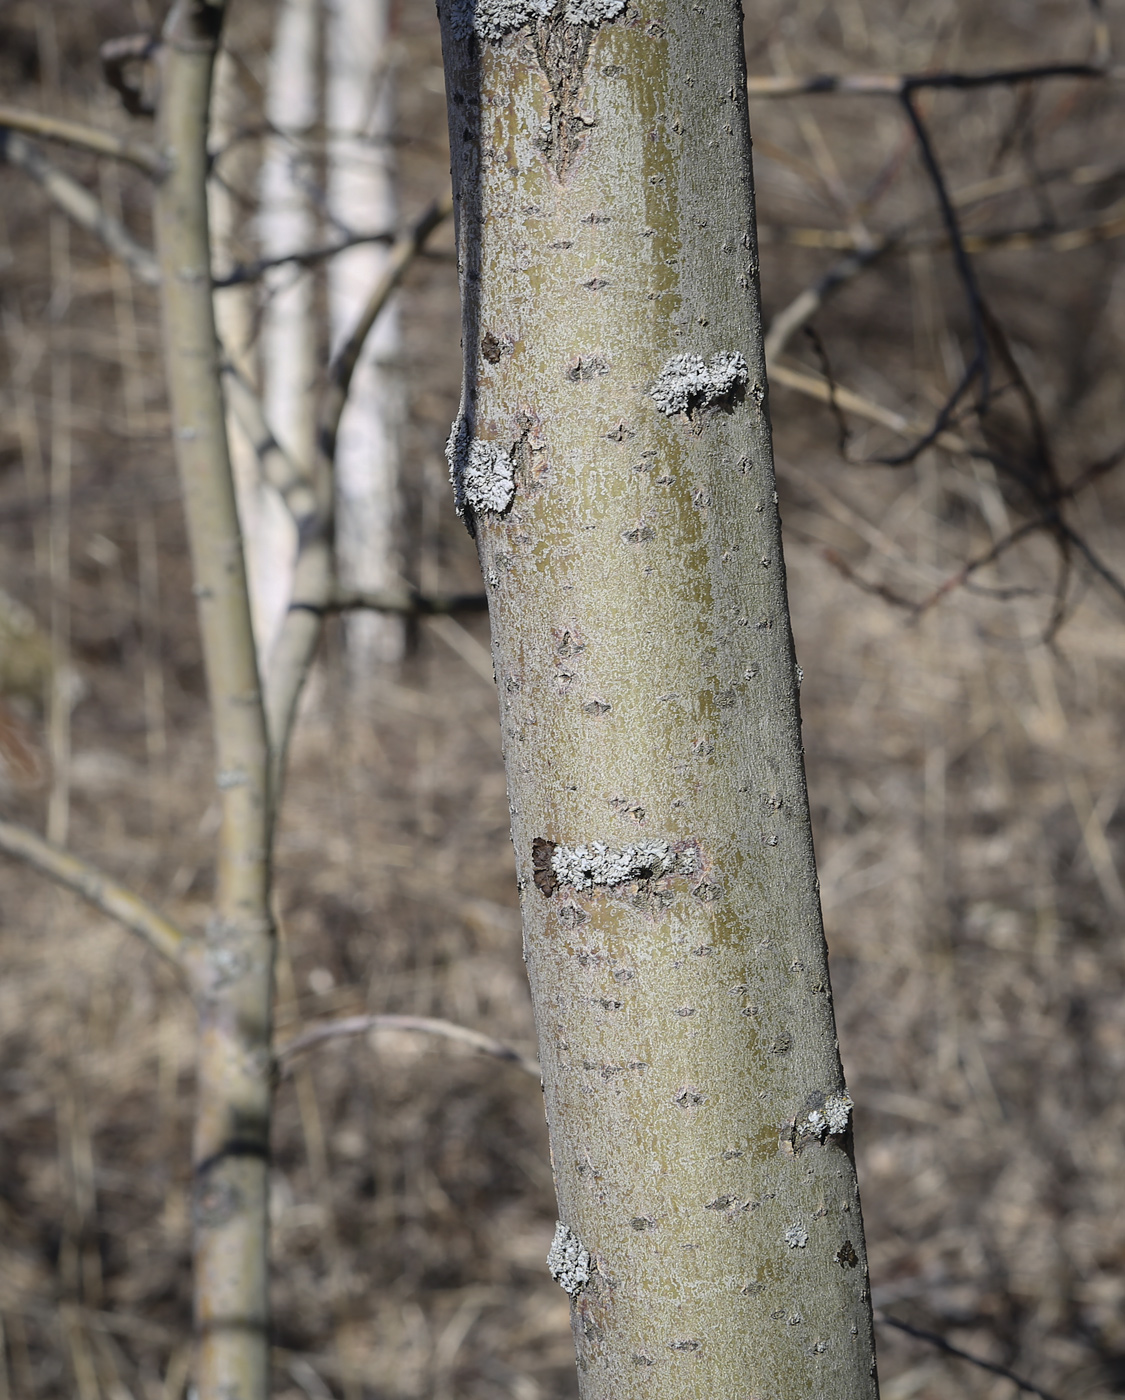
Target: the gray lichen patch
pixel 583 867
pixel 568 1261
pixel 687 383
pixel 493 20
pixel 829 1119
pixel 593 12
pixel 796 1237
pixel 483 473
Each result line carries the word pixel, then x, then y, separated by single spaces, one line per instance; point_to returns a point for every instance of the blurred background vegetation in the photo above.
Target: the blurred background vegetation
pixel 963 729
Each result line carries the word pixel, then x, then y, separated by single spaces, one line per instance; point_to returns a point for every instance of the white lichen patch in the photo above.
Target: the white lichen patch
pixel 599 864
pixel 687 383
pixel 493 20
pixel 483 473
pixel 830 1119
pixel 569 1261
pixel 796 1237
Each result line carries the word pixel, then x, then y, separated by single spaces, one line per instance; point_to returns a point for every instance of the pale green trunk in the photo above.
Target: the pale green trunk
pixel 648 693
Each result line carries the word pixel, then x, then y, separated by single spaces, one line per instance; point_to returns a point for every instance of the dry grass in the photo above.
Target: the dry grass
pixel 966 781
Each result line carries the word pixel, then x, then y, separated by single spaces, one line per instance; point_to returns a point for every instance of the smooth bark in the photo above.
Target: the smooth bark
pixel 234 979
pixel 359 102
pixel 613 456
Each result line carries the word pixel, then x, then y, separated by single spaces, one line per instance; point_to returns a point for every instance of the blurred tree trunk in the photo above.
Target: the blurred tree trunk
pixel 232 973
pixel 613 456
pixel 359 103
pixel 267 531
pixel 286 224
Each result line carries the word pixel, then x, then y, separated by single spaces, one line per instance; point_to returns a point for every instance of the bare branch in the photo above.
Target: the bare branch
pixel 95 887
pixel 936 1340
pixel 817 388
pixel 75 200
pixel 406 248
pixel 405 600
pixel 82 137
pixel 286 476
pixel 116 56
pixel 902 84
pixel 425 1025
pixel 241 273
pixel 314 580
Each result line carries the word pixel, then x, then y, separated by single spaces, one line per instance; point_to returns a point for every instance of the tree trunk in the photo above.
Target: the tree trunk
pixel 361 199
pixel 613 456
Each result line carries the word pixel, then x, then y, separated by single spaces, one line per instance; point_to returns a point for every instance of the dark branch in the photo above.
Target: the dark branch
pixel 901 84
pixel 405 601
pixel 978 367
pixel 117 55
pixel 936 1340
pixel 242 273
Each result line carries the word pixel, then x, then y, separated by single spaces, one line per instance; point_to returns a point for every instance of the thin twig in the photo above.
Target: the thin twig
pixel 425 1025
pixel 95 887
pixel 978 366
pixel 1053 240
pixel 76 201
pixel 817 388
pixel 899 84
pixel 242 273
pixel 936 1340
pixel 81 136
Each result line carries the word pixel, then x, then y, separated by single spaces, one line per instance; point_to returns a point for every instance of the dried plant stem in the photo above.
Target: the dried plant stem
pixel 424 1025
pixel 234 979
pixel 59 699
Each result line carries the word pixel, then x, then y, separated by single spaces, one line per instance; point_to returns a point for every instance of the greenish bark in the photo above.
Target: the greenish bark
pixel 232 979
pixel 612 455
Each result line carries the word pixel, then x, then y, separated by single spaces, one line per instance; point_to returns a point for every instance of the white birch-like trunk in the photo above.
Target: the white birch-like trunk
pixel 361 199
pixel 230 186
pixel 286 224
pixel 613 457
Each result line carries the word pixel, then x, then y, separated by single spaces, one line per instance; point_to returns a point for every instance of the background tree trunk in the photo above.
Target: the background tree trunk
pixel 361 199
pixel 287 224
pixel 266 529
pixel 613 455
pixel 233 976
